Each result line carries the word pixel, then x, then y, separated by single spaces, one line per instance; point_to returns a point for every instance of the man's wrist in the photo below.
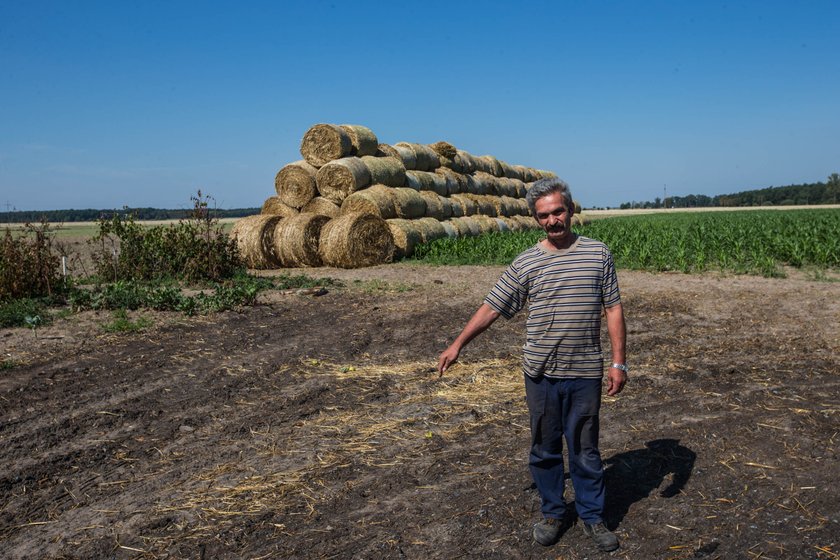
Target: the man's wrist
pixel 620 366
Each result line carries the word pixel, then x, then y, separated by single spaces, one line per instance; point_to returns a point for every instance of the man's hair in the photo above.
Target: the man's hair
pixel 545 187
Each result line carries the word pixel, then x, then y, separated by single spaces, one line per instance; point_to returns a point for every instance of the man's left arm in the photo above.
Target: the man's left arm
pixel 616 378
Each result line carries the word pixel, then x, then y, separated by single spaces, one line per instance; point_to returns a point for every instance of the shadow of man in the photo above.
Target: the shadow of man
pixel 631 476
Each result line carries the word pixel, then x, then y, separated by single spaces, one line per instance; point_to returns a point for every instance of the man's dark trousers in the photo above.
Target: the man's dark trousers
pixel 566 408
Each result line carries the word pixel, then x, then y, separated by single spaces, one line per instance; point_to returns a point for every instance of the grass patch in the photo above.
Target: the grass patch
pixel 120 323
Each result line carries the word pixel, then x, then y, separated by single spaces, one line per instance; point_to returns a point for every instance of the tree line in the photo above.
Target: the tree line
pixel 807 193
pixel 93 215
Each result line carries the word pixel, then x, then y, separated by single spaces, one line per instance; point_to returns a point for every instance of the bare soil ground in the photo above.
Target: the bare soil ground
pixel 316 428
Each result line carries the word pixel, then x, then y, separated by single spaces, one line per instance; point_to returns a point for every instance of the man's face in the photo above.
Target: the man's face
pixel 554 217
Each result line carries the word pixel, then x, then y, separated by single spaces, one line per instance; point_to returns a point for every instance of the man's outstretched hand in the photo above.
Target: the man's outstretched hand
pixel 447 358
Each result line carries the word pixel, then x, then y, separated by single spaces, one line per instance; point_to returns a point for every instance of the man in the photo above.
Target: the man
pixel 566 281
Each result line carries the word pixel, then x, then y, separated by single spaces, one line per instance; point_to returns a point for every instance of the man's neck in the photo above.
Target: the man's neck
pixel 565 243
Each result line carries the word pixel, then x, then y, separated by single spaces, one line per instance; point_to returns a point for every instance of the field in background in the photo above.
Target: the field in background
pixel 599 214
pixel 762 242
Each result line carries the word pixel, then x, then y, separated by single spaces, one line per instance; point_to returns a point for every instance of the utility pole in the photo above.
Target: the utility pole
pixel 664 195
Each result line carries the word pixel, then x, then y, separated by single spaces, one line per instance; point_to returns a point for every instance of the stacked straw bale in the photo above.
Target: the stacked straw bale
pixel 296 240
pixel 354 240
pixel 354 201
pixel 254 236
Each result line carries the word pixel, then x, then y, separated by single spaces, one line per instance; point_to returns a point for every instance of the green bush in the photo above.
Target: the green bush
pixel 195 249
pixel 241 290
pixel 29 265
pixel 24 312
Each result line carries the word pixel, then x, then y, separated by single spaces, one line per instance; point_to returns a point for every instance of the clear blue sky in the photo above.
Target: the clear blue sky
pixel 141 103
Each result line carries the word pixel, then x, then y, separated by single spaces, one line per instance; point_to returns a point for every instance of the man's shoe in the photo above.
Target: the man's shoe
pixel 601 536
pixel 548 531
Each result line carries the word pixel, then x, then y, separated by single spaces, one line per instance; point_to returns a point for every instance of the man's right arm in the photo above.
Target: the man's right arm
pixel 478 323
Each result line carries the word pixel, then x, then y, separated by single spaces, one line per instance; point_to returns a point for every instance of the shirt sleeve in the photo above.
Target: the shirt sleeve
pixel 610 295
pixel 509 294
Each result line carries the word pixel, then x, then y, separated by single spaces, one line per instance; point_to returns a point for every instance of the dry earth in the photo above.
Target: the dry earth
pixel 315 427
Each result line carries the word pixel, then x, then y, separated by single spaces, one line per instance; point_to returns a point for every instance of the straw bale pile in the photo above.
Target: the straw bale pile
pixel 354 201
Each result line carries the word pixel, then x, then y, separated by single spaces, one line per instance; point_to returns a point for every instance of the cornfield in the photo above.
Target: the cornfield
pixel 759 242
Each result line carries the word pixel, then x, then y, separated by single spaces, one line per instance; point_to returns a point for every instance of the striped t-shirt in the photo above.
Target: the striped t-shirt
pixel 565 291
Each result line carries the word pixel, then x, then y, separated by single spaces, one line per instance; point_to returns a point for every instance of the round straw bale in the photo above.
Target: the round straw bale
pixel 502 225
pixel 507 169
pixel 491 165
pixel 254 239
pixel 521 172
pixel 387 150
pixel 363 139
pixel 388 171
pixel 273 205
pixel 451 231
pixel 446 206
pixel 528 175
pixel 453 184
pixel 467 204
pixel 296 240
pixel 455 164
pixel 511 224
pixel 464 160
pixel 527 222
pixel 428 156
pixel 507 206
pixel 408 203
pixel 376 199
pixel 486 224
pixel 431 229
pixel 577 206
pixel 355 240
pixel 407 154
pixel 325 142
pixel 481 183
pixel 457 209
pixel 322 206
pixel 425 181
pixel 481 164
pixel 466 226
pixel 486 204
pixel 506 186
pixel 435 204
pixel 406 236
pixel 414 181
pixel 439 184
pixel 426 159
pixel 295 183
pixel 338 179
pixel 522 205
pixel 444 149
pixel 485 183
pixel 521 190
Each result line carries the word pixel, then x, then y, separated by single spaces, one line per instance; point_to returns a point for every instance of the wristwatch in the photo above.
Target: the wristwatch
pixel 622 367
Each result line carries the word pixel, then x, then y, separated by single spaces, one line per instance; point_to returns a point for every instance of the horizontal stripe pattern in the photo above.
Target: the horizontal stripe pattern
pixel 564 292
